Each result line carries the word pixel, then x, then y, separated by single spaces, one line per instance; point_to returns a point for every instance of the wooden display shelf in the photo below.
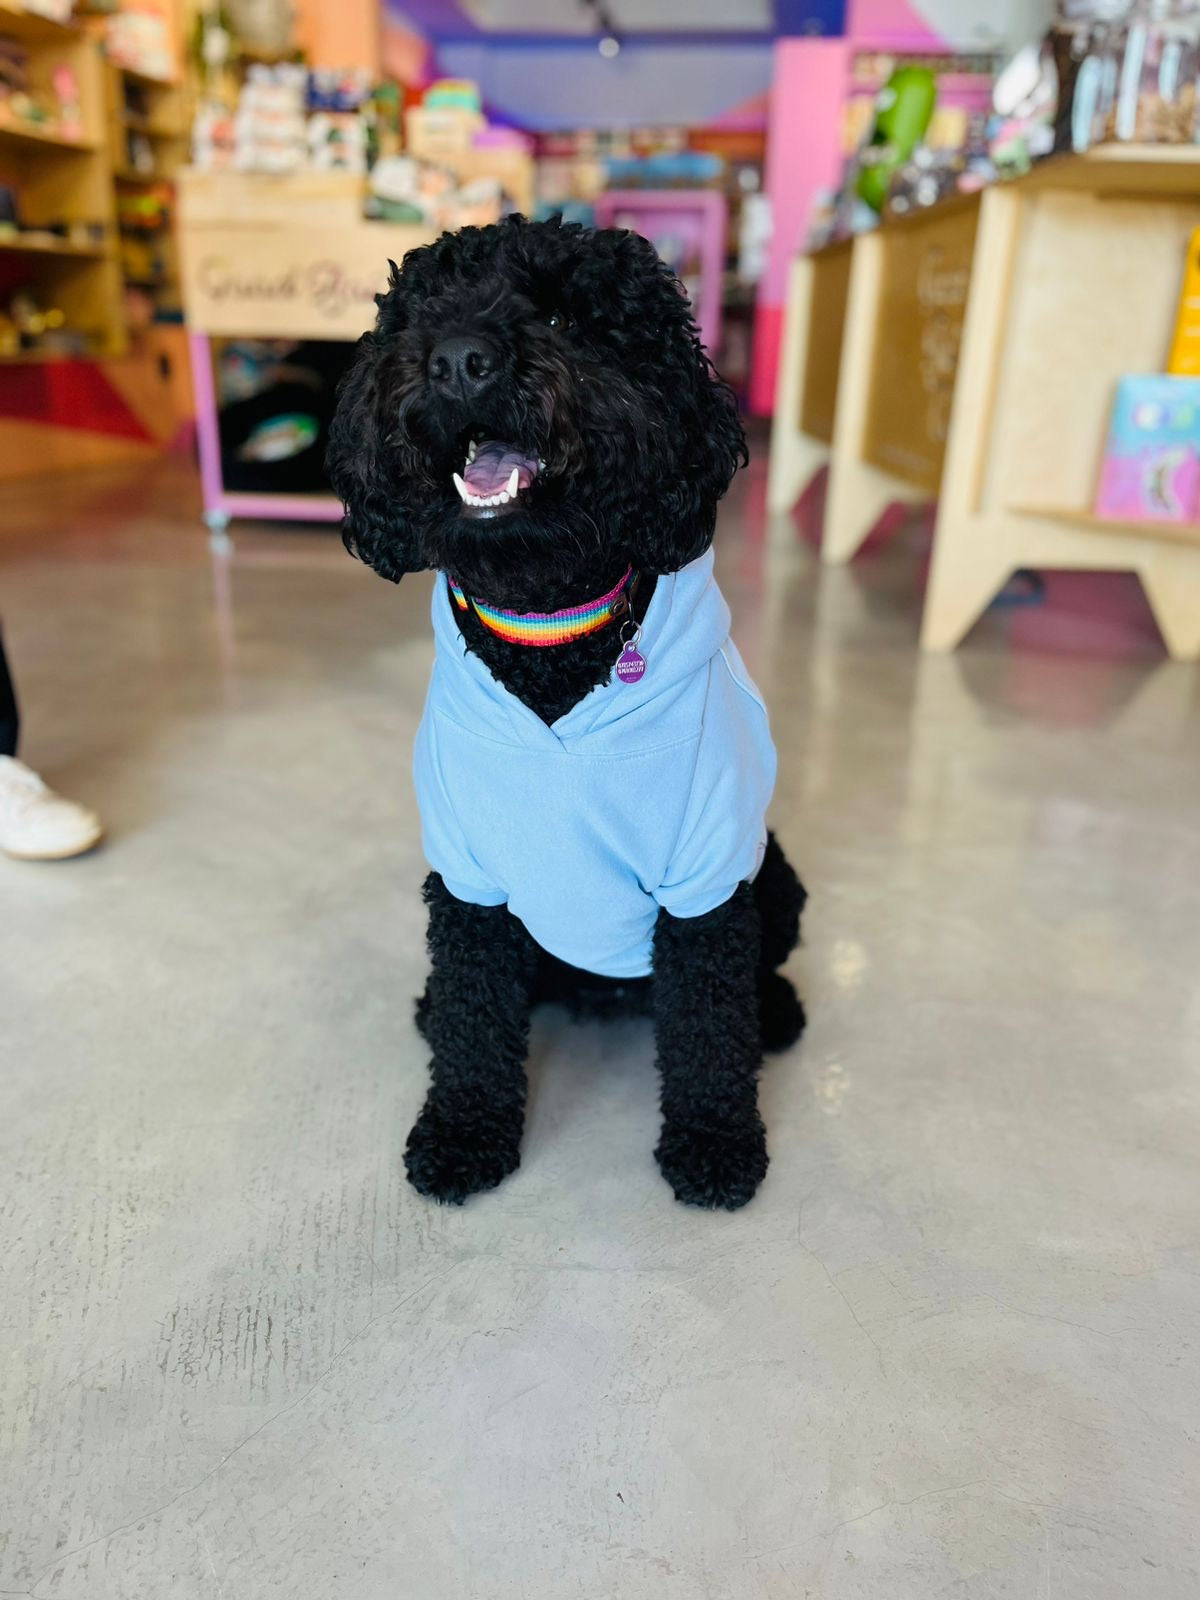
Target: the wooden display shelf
pixel 265 257
pixel 30 27
pixel 148 80
pixel 32 358
pixel 32 133
pixel 43 245
pixel 1173 532
pixel 148 108
pixel 66 181
pixel 972 352
pixel 132 175
pixel 151 129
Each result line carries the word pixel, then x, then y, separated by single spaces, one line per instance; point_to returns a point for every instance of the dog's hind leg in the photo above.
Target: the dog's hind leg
pixel 779 897
pixel 475 1016
pixel 713 1147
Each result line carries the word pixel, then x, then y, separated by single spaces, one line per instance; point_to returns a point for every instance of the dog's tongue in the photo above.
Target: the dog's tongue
pixel 492 467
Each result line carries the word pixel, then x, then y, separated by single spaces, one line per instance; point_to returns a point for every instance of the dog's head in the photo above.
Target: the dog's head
pixel 532 406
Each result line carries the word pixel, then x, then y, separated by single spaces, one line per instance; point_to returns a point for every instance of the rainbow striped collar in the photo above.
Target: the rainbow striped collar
pixel 549 627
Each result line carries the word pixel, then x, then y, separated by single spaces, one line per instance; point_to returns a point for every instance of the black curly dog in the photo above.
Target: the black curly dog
pixel 578 347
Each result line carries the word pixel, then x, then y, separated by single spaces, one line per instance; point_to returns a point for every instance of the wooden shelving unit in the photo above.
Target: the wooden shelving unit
pixel 63 179
pixel 33 244
pixel 30 27
pixel 147 116
pixel 31 134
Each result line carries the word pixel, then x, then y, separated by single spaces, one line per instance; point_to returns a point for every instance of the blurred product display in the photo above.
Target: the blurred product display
pixel 1151 466
pixel 1005 356
pixel 903 111
pixel 229 171
pixel 1106 71
pixel 1025 104
pixel 140 40
pixel 1155 101
pixel 1184 358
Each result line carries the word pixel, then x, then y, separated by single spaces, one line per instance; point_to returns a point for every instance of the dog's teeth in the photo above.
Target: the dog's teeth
pixel 464 492
pixel 470 452
pixel 541 465
pixel 514 479
pixel 504 497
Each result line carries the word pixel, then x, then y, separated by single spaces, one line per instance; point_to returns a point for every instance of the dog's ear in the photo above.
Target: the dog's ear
pixel 375 527
pixel 711 447
pixel 703 444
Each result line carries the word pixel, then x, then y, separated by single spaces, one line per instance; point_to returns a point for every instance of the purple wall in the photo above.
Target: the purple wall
pixel 554 86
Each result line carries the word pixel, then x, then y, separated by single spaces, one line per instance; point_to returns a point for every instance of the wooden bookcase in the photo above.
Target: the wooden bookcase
pixel 65 253
pixel 148 137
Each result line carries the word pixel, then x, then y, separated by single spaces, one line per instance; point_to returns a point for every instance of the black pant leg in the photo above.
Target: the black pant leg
pixel 9 720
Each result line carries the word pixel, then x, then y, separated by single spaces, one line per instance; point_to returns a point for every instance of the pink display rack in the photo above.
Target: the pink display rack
pixel 221 505
pixel 699 218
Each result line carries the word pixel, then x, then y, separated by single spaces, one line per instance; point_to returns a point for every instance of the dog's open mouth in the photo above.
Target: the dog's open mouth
pixel 495 476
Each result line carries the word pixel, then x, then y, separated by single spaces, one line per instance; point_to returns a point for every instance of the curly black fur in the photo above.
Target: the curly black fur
pixel 640 440
pixel 596 369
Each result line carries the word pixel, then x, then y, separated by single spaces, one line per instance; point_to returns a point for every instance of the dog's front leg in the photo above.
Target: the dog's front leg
pixel 713 1147
pixel 475 1017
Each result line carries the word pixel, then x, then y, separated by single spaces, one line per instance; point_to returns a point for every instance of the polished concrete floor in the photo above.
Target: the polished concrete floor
pixel 950 1351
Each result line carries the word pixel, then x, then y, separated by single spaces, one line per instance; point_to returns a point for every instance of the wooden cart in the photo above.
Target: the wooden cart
pixel 269 257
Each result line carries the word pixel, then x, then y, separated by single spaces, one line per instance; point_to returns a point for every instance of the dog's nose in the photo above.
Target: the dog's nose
pixel 462 366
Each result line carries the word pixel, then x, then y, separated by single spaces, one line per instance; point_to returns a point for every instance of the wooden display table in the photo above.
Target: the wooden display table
pixel 973 355
pixel 266 257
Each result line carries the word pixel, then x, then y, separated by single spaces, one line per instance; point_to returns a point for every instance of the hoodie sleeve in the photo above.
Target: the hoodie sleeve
pixel 724 830
pixel 443 837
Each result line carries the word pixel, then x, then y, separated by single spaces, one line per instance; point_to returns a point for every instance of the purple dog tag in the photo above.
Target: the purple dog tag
pixel 630 664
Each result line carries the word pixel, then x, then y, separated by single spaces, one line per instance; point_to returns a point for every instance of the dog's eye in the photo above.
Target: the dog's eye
pixel 559 320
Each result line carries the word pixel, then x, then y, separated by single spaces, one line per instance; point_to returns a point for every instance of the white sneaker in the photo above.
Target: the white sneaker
pixel 38 825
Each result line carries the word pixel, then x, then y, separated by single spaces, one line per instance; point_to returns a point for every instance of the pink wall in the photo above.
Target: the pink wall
pixel 808 89
pixel 890 22
pixel 803 155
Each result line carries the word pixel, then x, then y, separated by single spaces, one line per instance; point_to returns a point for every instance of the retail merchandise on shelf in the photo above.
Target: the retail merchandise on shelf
pixel 60 287
pixel 1151 467
pixel 278 264
pixel 140 43
pixel 696 193
pixel 274 257
pixel 1107 70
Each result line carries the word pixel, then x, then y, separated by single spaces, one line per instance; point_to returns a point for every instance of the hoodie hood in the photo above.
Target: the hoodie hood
pixel 643 796
pixel 686 624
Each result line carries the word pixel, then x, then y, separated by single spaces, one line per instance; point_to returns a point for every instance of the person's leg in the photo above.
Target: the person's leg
pixel 35 823
pixel 10 722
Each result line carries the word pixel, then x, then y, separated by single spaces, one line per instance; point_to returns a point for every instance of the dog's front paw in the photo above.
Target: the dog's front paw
pixel 720 1168
pixel 449 1158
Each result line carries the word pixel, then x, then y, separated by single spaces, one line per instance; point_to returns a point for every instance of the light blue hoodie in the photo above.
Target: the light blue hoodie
pixel 643 795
